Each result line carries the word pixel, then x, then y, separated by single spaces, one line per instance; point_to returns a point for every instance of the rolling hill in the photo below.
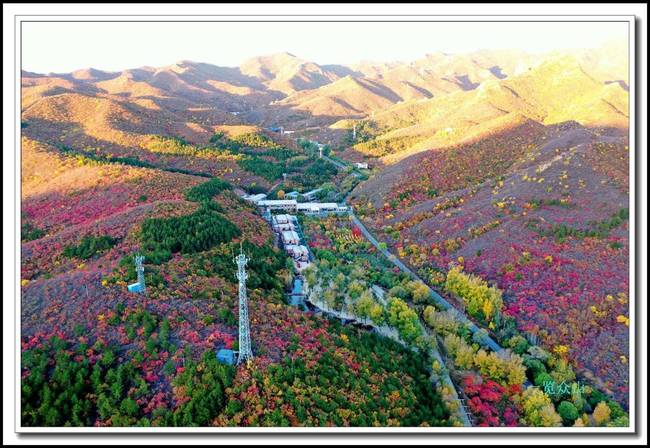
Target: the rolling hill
pixel 555 90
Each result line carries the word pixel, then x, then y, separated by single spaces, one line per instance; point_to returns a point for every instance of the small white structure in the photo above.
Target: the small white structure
pixel 311 195
pixel 361 165
pixel 283 219
pixel 139 269
pixel 280 223
pixel 254 198
pixel 292 195
pixel 298 252
pixel 308 209
pixel 282 227
pixel 318 208
pixel 290 237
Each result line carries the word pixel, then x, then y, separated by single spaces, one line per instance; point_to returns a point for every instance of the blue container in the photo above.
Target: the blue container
pixel 226 356
pixel 135 287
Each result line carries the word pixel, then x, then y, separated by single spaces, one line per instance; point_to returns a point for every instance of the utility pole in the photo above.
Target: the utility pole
pixel 245 352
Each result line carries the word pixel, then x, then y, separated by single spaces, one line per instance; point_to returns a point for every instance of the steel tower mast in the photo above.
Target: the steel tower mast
pixel 139 269
pixel 245 352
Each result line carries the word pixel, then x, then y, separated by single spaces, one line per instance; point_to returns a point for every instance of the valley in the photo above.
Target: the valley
pixel 475 272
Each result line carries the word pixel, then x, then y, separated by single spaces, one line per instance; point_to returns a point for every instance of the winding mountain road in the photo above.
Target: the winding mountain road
pixel 440 301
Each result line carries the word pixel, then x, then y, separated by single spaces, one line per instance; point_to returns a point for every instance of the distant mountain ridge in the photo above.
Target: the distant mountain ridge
pixel 420 99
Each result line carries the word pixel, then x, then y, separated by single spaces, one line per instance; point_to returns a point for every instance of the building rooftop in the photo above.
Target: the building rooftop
pixel 290 235
pixel 255 197
pixel 312 192
pixel 282 219
pixel 268 202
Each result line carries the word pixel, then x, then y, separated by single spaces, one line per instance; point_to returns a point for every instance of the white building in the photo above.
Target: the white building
pixel 281 227
pixel 278 204
pixel 254 198
pixel 311 195
pixel 282 219
pixel 362 165
pixel 290 237
pixel 308 208
pixel 317 208
pixel 298 251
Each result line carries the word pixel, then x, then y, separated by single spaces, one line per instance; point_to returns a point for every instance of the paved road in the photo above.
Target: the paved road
pixel 338 164
pixel 335 162
pixel 437 298
pixel 342 166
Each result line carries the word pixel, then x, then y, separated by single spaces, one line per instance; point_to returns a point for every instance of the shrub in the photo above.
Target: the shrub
pixel 518 344
pixel 419 292
pixel 263 168
pixel 28 232
pixel 256 140
pixel 542 378
pixel 534 366
pixel 538 409
pixel 460 351
pixel 568 412
pixel 601 414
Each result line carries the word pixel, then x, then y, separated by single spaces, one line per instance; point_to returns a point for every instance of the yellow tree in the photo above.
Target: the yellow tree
pixel 538 409
pixel 601 414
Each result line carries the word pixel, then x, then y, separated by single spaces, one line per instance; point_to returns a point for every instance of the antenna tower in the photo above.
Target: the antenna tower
pixel 139 269
pixel 245 352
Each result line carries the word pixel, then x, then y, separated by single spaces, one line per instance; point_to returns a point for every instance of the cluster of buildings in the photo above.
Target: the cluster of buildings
pixel 286 228
pixel 293 206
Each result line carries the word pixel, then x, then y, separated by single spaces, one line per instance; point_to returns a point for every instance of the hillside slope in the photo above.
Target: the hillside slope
pixel 542 212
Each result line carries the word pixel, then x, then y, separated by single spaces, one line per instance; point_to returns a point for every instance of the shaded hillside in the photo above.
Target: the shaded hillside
pixel 428 174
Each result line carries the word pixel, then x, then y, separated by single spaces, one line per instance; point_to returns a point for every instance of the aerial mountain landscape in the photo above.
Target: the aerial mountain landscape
pixel 436 242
